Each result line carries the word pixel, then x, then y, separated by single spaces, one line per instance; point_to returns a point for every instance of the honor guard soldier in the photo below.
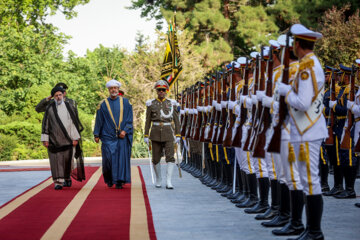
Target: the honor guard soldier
pixel 162 112
pixel 346 159
pixel 307 124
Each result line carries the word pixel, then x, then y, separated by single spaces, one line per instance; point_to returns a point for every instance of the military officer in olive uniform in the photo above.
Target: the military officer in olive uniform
pixel 161 112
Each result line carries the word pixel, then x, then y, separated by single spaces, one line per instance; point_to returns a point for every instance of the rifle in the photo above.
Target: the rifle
pixel 330 123
pixel 184 120
pixel 253 109
pixel 223 115
pixel 265 118
pixel 227 140
pixel 236 142
pixel 346 140
pixel 209 126
pixel 190 117
pixel 259 108
pixel 274 145
pixel 199 114
pixel 195 115
pixel 205 113
pixel 217 113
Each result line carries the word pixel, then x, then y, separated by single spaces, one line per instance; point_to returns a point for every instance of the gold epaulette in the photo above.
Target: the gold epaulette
pixel 347 90
pixel 337 89
pixel 99 105
pixel 293 68
pixel 240 85
pixel 306 63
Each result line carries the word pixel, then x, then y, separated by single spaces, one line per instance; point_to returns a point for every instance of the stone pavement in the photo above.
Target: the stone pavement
pixel 193 211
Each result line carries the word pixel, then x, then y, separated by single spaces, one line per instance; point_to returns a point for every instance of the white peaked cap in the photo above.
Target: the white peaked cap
pixel 113 83
pixel 241 60
pixel 357 61
pixel 254 54
pixel 282 40
pixel 301 31
pixel 274 44
pixel 236 64
pixel 266 51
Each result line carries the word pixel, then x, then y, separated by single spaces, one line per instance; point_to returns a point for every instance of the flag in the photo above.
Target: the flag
pixel 171 67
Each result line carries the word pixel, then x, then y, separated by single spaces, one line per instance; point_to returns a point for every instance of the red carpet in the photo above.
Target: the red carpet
pixel 87 210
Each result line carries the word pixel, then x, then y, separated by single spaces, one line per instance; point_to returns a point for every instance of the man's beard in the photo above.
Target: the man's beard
pixel 113 94
pixel 59 102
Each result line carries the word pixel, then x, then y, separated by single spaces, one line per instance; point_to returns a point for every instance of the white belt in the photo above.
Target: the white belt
pixel 161 124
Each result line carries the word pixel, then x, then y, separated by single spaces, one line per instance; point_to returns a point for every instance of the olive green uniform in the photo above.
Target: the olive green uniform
pixel 162 133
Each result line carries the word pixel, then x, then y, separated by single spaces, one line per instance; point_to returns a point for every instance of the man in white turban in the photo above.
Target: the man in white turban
pixel 114 127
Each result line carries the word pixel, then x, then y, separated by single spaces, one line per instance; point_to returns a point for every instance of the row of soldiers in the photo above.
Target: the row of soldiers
pixel 271 121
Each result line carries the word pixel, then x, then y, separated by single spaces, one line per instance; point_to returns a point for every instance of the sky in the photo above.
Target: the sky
pixel 105 22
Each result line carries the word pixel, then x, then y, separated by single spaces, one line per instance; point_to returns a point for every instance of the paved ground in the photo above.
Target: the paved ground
pixel 193 211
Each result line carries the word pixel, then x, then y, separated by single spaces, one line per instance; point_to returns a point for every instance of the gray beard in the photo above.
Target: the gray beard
pixel 60 102
pixel 114 94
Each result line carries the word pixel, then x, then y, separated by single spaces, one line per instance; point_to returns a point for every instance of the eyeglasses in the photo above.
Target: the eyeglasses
pixel 161 90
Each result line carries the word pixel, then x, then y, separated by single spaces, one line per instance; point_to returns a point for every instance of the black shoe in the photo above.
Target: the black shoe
pixel 269 214
pixel 357 205
pixel 67 183
pixel 289 229
pixel 346 194
pixel 110 185
pixel 335 190
pixel 325 188
pixel 119 186
pixel 278 221
pixel 58 187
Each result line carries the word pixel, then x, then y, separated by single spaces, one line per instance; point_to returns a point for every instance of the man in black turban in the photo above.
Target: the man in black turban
pixel 41 107
pixel 60 134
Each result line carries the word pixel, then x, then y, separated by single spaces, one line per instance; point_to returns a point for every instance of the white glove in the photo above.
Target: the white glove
pixel 349 104
pixel 260 95
pixel 237 110
pixel 253 100
pixel 231 104
pixel 146 140
pixel 248 103
pixel 276 107
pixel 242 99
pixel 332 103
pixel 284 89
pixel 267 101
pixel 177 140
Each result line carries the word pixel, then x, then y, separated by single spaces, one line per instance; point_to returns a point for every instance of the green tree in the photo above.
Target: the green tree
pixel 341 37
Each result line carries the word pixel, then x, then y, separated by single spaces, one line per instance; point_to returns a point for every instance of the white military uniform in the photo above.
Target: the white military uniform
pixel 308 132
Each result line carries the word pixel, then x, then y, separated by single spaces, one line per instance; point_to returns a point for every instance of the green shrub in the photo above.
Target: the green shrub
pixel 7 146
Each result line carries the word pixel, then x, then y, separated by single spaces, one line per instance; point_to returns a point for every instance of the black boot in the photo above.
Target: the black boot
pixel 263 204
pixel 284 210
pixel 228 179
pixel 253 197
pixel 274 209
pixel 245 192
pixel 338 182
pixel 324 172
pixel 350 177
pixel 239 186
pixel 314 211
pixel 295 225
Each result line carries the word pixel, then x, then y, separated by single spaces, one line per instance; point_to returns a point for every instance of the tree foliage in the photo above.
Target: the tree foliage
pixel 341 37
